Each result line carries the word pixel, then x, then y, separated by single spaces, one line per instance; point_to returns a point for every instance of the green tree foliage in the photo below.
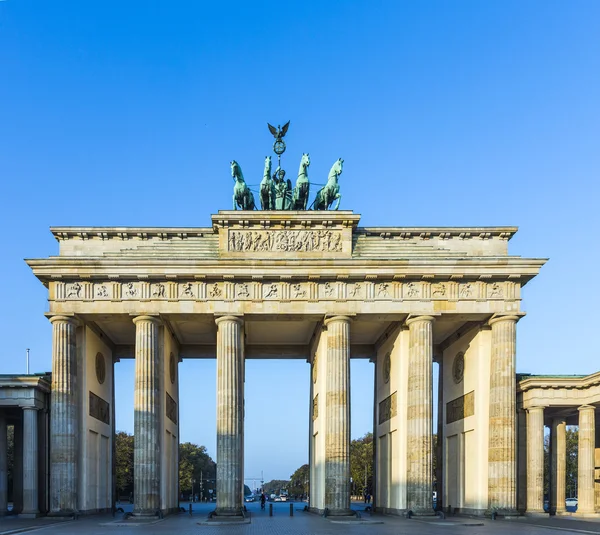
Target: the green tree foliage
pixel 124 463
pixel 361 465
pixel 572 436
pixel 300 481
pixel 275 486
pixel 195 464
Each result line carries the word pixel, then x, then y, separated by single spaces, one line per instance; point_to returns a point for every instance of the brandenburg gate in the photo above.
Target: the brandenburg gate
pixel 310 285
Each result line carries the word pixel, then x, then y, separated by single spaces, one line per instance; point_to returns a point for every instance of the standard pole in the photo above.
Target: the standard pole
pixel 27 361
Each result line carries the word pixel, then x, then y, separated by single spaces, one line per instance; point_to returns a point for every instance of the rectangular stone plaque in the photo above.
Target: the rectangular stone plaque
pixel 460 408
pixel 171 408
pixel 99 408
pixel 315 411
pixel 387 408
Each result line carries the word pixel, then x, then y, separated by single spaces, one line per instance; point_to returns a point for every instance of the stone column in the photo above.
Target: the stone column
pixel 3 466
pixel 230 415
pixel 420 415
pixel 502 489
pixel 586 468
pixel 64 421
pixel 337 416
pixel 30 463
pixel 146 421
pixel 535 460
pixel 558 473
pixel 18 467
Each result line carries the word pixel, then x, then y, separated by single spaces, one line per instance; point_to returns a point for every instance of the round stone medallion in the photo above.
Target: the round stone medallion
pixel 387 368
pixel 458 367
pixel 172 368
pixel 100 368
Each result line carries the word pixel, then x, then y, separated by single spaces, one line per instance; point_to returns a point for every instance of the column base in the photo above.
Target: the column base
pixel 537 514
pixel 63 513
pixel 229 512
pixel 30 514
pixel 421 511
pixel 586 514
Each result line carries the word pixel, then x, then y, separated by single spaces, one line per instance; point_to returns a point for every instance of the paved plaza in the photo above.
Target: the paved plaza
pixel 301 523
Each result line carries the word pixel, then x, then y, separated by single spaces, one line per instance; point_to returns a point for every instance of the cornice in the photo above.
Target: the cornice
pixel 578 382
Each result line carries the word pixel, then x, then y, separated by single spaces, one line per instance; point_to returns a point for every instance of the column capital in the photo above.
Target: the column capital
pixel 145 317
pixel 536 408
pixel 330 319
pixel 586 408
pixel 63 319
pixel 235 319
pixel 414 319
pixel 508 317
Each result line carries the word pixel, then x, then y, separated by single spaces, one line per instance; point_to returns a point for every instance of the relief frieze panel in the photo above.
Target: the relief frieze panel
pixel 286 290
pixel 254 241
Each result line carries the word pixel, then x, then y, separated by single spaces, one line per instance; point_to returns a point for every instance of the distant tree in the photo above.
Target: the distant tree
pixel 124 463
pixel 572 460
pixel 275 486
pixel 195 464
pixel 300 481
pixel 361 465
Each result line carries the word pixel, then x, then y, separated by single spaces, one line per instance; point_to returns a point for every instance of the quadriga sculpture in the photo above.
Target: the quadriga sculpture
pixel 300 195
pixel 242 196
pixel 267 187
pixel 331 191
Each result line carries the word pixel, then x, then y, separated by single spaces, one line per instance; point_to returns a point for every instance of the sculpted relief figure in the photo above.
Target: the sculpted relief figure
pixel 331 191
pixel 242 196
pixel 284 240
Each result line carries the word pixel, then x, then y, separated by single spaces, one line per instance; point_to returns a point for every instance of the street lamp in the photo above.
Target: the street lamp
pixel 193 495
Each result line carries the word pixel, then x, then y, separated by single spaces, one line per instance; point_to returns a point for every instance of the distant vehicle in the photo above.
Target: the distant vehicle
pixel 284 496
pixel 571 502
pixel 277 499
pixel 249 498
pixel 272 497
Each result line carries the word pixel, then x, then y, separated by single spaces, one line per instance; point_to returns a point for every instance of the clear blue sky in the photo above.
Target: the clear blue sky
pixel 446 113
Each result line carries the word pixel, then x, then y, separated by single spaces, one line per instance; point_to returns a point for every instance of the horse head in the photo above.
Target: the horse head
pixel 336 169
pixel 267 171
pixel 236 171
pixel 304 163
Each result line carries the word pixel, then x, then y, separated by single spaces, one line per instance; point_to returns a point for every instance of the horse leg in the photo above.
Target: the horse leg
pixel 339 198
pixel 234 203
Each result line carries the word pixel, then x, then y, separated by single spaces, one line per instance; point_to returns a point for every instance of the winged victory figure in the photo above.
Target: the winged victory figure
pixel 279 132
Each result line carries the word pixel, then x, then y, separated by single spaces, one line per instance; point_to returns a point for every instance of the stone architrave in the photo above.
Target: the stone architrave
pixel 558 473
pixel 3 467
pixel 230 416
pixel 64 432
pixel 337 415
pixel 535 460
pixel 586 468
pixel 419 415
pixel 502 488
pixel 147 403
pixel 30 463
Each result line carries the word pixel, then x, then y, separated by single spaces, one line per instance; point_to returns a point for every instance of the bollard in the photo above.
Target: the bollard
pixel 291 509
pixel 190 509
pixel 270 509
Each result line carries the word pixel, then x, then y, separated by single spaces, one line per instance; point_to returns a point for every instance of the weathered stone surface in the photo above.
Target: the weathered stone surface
pixel 64 433
pixel 3 467
pixel 30 462
pixel 419 415
pixel 502 490
pixel 337 414
pixel 535 460
pixel 558 472
pixel 585 468
pixel 147 405
pixel 230 416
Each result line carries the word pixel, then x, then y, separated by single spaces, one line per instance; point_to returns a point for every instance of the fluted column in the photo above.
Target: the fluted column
pixel 146 421
pixel 535 460
pixel 502 490
pixel 64 421
pixel 337 416
pixel 586 464
pixel 230 415
pixel 30 463
pixel 419 415
pixel 558 473
pixel 3 467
